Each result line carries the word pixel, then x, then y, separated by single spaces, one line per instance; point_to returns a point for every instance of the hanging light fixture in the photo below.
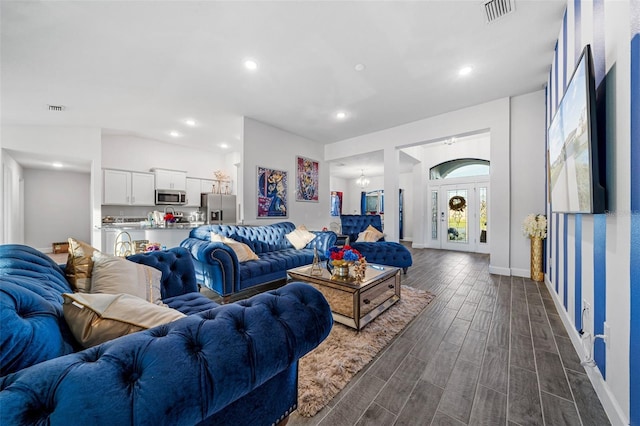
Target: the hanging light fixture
pixel 362 181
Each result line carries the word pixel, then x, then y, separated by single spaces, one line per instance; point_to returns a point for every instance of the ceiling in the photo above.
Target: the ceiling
pixel 143 68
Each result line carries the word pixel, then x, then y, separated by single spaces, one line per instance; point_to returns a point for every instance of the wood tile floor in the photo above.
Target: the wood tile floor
pixel 489 350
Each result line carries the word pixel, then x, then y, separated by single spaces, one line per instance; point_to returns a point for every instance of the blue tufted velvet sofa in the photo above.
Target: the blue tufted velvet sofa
pixel 217 265
pixel 381 252
pixel 232 364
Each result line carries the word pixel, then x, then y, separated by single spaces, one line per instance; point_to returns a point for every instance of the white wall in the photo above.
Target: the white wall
pixel 491 116
pixel 142 154
pixel 268 146
pixel 527 182
pixel 68 193
pixel 406 183
pixel 78 143
pixel 11 182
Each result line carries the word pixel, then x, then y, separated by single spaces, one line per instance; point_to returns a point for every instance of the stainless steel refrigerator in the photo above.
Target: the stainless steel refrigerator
pixel 219 208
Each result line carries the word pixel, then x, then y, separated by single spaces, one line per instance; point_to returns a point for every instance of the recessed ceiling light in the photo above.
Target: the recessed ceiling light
pixel 341 115
pixel 174 133
pixel 190 122
pixel 250 64
pixel 359 67
pixel 224 145
pixel 465 71
pixel 57 165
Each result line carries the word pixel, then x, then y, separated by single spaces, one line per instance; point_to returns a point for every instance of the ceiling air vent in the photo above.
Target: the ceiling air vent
pixel 56 107
pixel 496 9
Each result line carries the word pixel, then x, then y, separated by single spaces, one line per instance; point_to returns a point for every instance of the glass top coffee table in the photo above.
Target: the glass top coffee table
pixel 355 303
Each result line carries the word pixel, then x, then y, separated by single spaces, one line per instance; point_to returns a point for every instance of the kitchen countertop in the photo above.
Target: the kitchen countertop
pixel 134 225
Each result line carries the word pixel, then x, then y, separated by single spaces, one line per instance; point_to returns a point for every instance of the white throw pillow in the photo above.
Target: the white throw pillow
pixel 243 252
pixel 300 237
pixel 114 275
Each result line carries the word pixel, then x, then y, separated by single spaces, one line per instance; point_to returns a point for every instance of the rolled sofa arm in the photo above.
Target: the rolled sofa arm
pixel 216 265
pixel 179 373
pixel 322 242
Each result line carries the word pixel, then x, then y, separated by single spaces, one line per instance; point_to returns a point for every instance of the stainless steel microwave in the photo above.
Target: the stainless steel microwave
pixel 168 196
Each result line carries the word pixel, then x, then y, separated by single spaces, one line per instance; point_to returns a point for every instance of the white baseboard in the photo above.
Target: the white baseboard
pixel 609 403
pixel 45 250
pixel 498 270
pixel 415 245
pixel 517 272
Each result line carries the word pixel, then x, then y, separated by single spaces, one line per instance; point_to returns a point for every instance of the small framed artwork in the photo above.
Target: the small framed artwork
pixel 307 181
pixel 272 193
pixel 336 203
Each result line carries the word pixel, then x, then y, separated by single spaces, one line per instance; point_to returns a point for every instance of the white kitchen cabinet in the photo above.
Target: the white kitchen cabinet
pixel 195 187
pixel 167 237
pixel 193 192
pixel 142 189
pixel 109 236
pixel 170 179
pixel 116 187
pixel 121 187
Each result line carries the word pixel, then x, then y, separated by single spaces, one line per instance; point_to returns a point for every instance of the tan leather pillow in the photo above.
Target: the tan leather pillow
pixel 113 275
pixel 79 265
pixel 243 252
pixel 377 234
pixel 366 237
pixel 98 318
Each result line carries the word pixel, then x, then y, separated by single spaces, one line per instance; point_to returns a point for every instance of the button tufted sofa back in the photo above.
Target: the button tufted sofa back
pixel 33 326
pixel 353 224
pixel 178 274
pixel 265 238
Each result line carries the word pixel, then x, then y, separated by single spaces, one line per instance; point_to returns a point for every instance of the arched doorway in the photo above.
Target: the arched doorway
pixel 458 194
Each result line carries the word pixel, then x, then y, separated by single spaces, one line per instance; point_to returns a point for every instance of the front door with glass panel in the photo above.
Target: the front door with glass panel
pixel 459 217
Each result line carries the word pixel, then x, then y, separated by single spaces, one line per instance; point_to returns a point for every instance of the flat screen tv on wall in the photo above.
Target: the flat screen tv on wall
pixel 574 169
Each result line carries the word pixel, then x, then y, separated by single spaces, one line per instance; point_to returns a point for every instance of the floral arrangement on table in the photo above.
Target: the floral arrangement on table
pixel 347 256
pixel 535 226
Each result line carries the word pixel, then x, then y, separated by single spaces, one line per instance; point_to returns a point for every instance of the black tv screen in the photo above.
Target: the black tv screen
pixel 574 169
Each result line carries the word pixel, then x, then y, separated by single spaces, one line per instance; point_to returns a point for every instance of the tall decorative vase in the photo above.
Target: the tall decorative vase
pixel 536 259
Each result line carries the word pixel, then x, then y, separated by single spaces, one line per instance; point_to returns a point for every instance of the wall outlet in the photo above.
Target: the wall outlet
pixel 607 335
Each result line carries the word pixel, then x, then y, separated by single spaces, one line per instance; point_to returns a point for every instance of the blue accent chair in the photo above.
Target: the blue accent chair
pixel 234 364
pixel 381 252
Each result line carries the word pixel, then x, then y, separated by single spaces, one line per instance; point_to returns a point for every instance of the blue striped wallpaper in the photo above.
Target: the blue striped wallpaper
pixel 634 273
pixel 578 274
pixel 599 288
pixel 584 23
pixel 565 262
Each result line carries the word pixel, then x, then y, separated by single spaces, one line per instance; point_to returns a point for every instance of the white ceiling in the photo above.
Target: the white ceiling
pixel 143 67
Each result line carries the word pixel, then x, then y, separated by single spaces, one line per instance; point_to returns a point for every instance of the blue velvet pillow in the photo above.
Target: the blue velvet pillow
pixel 241 239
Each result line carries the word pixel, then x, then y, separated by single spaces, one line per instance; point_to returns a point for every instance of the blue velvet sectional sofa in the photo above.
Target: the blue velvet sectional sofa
pixel 381 252
pixel 225 365
pixel 217 266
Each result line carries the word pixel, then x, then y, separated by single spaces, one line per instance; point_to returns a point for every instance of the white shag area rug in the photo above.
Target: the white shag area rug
pixel 327 369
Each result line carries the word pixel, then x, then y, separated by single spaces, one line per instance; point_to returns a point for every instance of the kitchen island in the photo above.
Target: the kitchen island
pixel 167 236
